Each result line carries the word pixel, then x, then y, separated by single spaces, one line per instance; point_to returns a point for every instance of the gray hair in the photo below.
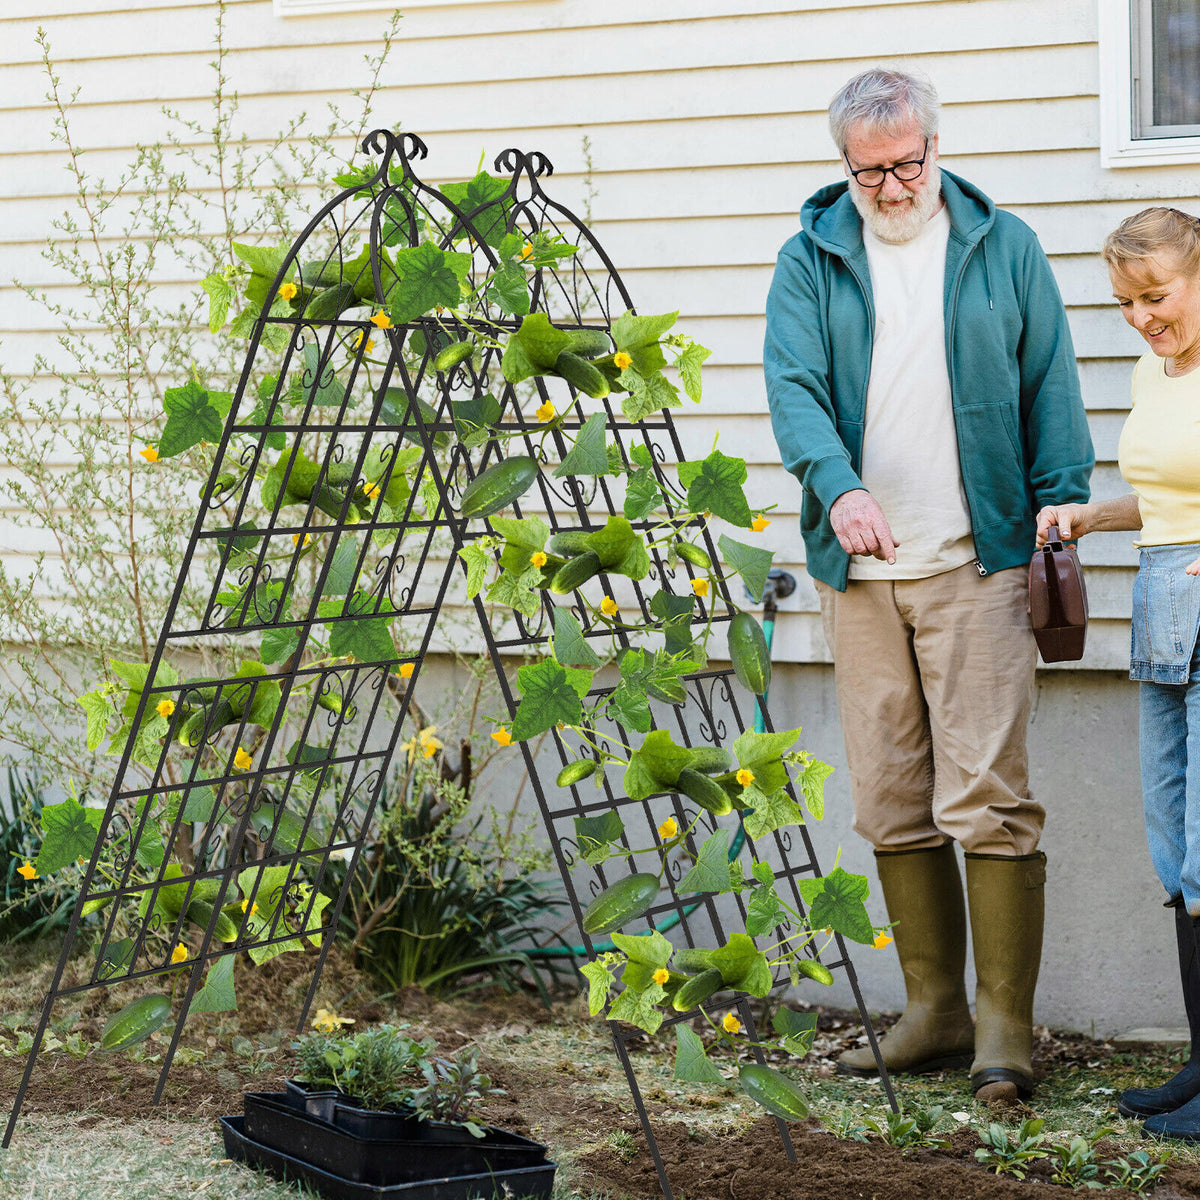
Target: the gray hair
pixel 885 101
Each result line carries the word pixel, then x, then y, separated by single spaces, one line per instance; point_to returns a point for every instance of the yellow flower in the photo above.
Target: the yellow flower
pixel 609 607
pixel 621 360
pixel 546 412
pixel 241 760
pixel 365 342
pixel 745 777
pixel 526 251
pixel 661 975
pixel 668 829
pixel 179 953
pixel 288 291
pixel 327 1021
pixel 538 558
pixel 371 490
pixel 406 670
pixel 381 321
pixel 28 871
pixel 253 907
pixel 301 540
pixel 700 587
pixel 150 454
pixel 759 523
pixel 881 940
pixel 502 736
pixel 165 708
pixel 425 742
pixel 431 746
pixel 730 1023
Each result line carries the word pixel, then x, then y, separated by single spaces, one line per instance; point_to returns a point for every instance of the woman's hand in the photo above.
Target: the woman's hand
pixel 1071 519
pixel 1193 568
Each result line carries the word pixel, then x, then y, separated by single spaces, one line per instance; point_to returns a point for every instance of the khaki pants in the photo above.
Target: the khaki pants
pixel 935 683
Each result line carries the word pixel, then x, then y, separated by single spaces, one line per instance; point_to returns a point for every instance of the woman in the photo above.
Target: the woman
pixel 1153 261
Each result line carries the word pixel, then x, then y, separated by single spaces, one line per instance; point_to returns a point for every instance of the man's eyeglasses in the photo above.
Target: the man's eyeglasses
pixel 906 171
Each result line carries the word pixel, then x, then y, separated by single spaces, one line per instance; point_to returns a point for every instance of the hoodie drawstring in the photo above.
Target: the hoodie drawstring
pixel 987 277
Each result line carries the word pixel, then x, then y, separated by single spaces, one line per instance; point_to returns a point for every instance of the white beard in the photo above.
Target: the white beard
pixel 904 224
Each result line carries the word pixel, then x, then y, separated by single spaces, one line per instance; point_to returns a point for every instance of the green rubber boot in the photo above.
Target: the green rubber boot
pixel 924 897
pixel 1006 897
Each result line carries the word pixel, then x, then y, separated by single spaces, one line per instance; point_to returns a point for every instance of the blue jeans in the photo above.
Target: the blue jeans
pixel 1165 659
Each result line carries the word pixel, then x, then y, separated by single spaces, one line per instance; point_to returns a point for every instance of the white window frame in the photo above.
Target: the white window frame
pixel 304 8
pixel 1118 146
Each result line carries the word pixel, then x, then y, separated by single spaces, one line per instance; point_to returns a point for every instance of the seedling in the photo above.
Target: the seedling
pixel 1010 1154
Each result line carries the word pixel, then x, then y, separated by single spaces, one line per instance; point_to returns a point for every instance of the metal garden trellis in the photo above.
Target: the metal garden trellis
pixel 328 728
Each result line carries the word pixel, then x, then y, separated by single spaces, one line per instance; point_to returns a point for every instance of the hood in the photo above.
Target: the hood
pixel 831 220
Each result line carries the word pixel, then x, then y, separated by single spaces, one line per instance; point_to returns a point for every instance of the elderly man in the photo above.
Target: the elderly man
pixel 923 390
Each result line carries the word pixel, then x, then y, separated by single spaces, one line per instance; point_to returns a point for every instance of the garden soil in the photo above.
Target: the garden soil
pixel 591 1129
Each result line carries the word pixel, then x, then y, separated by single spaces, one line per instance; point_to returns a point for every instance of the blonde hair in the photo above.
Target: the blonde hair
pixel 1162 238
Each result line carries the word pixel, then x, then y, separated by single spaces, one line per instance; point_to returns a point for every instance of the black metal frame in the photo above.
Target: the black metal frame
pixel 261 817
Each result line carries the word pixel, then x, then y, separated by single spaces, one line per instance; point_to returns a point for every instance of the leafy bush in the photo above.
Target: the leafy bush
pixel 378 1067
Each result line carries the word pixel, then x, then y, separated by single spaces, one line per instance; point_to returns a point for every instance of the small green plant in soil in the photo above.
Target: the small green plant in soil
pixel 910 1128
pixel 1138 1171
pixel 452 1088
pixel 1073 1163
pixel 378 1067
pixel 1009 1153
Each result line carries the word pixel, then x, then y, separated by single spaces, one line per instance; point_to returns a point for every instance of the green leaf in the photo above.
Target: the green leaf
pixel 550 695
pixel 691 1063
pixel 621 550
pixel 518 590
pixel 655 765
pixel 428 277
pixel 191 418
pixel 715 485
pixel 217 994
pixel 68 833
pixel 278 644
pixel 812 787
pixel 629 701
pixel 262 260
pixel 761 753
pixel 796 1029
pixel 642 495
pixel 631 332
pixel 648 394
pixel 117 957
pixel 317 381
pixel 478 561
pixel 474 418
pixel 534 348
pixel 650 949
pixel 509 290
pixel 689 364
pixel 764 911
pixel 342 574
pixel 589 454
pixel 523 537
pixel 675 612
pixel 220 296
pixel 600 981
pixel 571 648
pixel 743 966
pixel 472 196
pixel 840 907
pixel 768 811
pixel 598 837
pixel 99 709
pixel 368 639
pixel 636 1006
pixel 711 871
pixel 752 563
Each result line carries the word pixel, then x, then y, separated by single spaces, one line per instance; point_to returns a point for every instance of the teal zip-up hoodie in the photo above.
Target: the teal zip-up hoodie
pixel 1023 439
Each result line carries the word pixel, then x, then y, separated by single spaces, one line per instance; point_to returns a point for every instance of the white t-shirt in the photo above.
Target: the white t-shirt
pixel 910 451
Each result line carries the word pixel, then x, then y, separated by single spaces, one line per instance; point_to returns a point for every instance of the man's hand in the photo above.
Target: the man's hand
pixel 1071 520
pixel 861 527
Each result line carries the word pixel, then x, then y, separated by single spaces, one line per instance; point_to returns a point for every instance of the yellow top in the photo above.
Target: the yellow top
pixel 1159 453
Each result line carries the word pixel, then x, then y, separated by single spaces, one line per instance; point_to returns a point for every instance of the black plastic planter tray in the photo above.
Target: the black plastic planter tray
pixel 316 1102
pixel 525 1183
pixel 272 1122
pixel 375 1123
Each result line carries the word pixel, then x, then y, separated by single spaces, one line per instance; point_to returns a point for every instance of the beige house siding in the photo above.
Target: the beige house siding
pixel 706 130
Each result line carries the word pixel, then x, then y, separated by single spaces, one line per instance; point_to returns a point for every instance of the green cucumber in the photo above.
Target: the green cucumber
pixel 498 486
pixel 697 556
pixel 577 771
pixel 135 1022
pixel 575 572
pixel 691 960
pixel 570 542
pixel 710 759
pixel 814 970
pixel 581 375
pixel 697 989
pixel 773 1091
pixel 706 792
pixel 333 702
pixel 200 912
pixel 448 357
pixel 191 732
pixel 621 903
pixel 329 304
pixel 748 653
pixel 588 343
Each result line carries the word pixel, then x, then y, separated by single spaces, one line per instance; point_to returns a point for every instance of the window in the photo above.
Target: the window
pixel 1149 82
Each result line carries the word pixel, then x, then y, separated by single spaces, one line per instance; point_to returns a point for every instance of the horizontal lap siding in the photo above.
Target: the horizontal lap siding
pixel 706 128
